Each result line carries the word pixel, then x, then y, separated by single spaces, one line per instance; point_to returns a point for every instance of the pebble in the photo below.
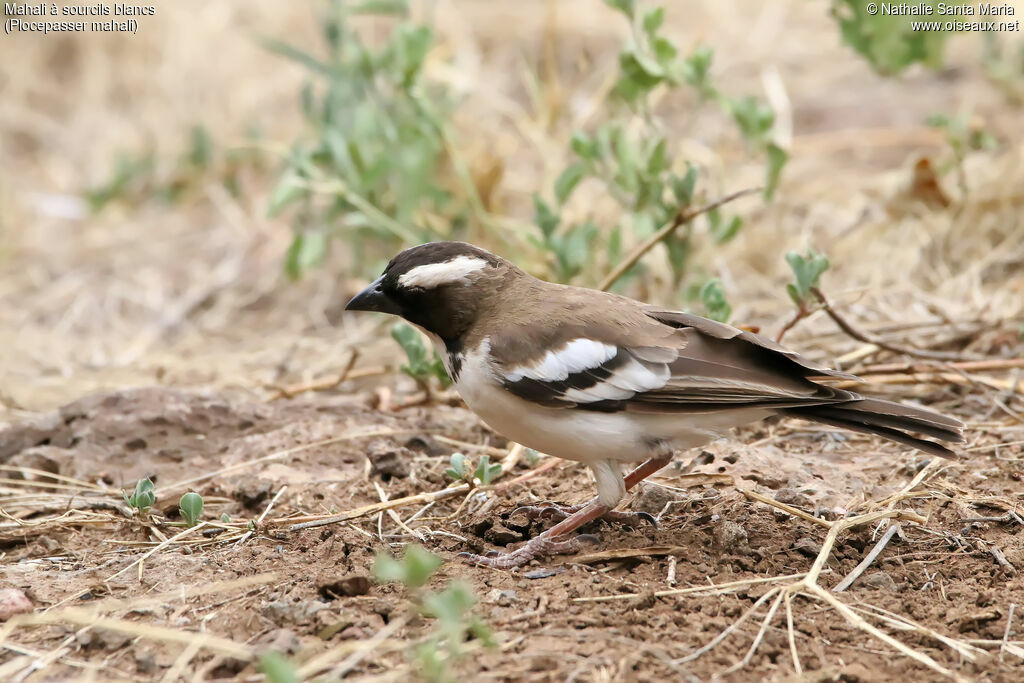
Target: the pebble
pixel 13 601
pixel 386 459
pixel 807 546
pixel 879 580
pixel 731 537
pixel 652 498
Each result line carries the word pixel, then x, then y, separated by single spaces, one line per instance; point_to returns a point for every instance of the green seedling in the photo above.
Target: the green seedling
pixel 143 498
pixel 807 270
pixel 225 517
pixel 414 569
pixel 191 508
pixel 278 668
pixel 419 367
pixel 713 297
pixel 462 469
pixel 450 608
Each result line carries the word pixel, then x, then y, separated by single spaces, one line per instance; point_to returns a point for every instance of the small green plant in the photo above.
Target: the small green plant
pixel 890 43
pixel 375 166
pixel 278 668
pixel 191 508
pixel 462 469
pixel 139 176
pixel 450 608
pixel 962 136
pixel 419 367
pixel 807 271
pixel 631 155
pixel 713 297
pixel 143 498
pixel 225 517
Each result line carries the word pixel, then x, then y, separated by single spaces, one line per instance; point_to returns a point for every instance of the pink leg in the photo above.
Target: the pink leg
pixel 549 541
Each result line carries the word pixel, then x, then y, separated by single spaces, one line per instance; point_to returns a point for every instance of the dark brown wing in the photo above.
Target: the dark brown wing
pixel 703 366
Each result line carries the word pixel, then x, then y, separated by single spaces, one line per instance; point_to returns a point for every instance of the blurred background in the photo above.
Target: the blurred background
pixel 194 203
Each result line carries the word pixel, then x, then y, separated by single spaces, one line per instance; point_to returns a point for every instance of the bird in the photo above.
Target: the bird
pixel 607 380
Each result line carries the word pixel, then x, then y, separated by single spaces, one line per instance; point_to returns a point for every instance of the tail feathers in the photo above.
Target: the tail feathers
pixel 888 420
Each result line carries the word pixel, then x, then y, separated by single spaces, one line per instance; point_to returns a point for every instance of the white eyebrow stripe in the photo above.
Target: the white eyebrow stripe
pixel 433 275
pixel 576 356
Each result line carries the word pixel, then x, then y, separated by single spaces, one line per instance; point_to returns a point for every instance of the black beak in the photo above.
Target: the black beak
pixel 373 298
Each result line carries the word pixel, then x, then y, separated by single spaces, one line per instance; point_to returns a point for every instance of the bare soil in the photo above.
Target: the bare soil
pixel 944 575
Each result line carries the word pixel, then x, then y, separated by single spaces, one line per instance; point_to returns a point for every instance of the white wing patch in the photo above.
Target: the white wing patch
pixel 576 356
pixel 433 275
pixel 626 381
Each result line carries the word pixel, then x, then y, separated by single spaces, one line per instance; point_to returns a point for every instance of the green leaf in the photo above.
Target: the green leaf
pixel 278 669
pixel 546 219
pixel 306 251
pixel 485 471
pixel 664 52
pixel 643 71
pixel 451 604
pixel 807 269
pixel 889 43
pixel 200 153
pixel 413 43
pixel 414 569
pixel 144 496
pixel 627 7
pixel 394 7
pixel 226 518
pixel 658 159
pixel 568 180
pixel 297 55
pixel 460 467
pixel 777 158
pixel 753 118
pixel 682 187
pixel 191 507
pixel 794 294
pixel 584 146
pixel 289 188
pixel 713 297
pixel 723 233
pixel 653 20
pixel 418 367
pixel 696 68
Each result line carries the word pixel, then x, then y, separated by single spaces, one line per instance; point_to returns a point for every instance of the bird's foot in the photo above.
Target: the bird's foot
pixel 534 512
pixel 534 548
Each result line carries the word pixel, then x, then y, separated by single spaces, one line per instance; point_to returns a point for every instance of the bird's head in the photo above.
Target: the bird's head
pixel 440 286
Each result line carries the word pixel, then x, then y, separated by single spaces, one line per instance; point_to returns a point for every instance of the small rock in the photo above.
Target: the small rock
pixel 281 640
pixel 251 491
pixel 731 537
pixel 13 601
pixel 793 497
pixel 352 633
pixel 348 587
pixel 145 662
pixel 652 498
pixel 387 460
pixel 506 598
pixel 499 534
pixel 807 546
pixel 542 573
pixel 285 612
pixel 879 580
